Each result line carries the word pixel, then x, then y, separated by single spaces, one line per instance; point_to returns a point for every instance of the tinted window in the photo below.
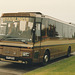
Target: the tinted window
pixel 65 31
pixel 44 28
pixel 59 29
pixel 70 31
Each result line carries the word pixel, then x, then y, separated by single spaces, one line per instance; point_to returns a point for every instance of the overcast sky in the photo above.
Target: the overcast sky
pixel 61 9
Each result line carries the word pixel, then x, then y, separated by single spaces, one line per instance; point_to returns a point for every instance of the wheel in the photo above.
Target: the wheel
pixel 46 58
pixel 68 53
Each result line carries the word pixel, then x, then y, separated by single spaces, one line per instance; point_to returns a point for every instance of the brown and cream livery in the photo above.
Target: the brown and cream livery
pixel 34 37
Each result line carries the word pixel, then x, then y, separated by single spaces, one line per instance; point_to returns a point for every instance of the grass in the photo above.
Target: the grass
pixel 62 67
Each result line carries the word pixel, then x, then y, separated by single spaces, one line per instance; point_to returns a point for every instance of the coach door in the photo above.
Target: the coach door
pixel 38 34
pixel 37 45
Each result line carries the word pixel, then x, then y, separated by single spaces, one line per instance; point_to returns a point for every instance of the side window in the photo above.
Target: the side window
pixel 44 28
pixel 59 29
pixel 70 32
pixel 52 31
pixel 65 31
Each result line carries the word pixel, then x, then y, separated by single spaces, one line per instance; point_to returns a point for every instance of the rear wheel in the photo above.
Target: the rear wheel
pixel 69 52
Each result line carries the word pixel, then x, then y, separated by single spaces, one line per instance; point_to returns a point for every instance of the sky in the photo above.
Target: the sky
pixel 60 9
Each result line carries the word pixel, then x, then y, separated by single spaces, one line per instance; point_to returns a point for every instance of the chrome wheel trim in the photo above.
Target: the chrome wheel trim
pixel 46 58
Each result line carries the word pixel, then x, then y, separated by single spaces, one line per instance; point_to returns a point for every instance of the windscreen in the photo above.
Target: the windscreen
pixel 16 28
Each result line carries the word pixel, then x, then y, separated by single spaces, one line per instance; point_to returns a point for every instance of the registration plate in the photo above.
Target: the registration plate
pixel 10 58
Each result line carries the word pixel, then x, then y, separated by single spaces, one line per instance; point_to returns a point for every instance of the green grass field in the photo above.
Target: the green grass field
pixel 62 67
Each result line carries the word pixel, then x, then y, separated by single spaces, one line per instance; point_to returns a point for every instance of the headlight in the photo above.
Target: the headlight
pixel 25 54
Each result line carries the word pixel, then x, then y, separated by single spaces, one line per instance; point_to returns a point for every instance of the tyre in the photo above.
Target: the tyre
pixel 69 52
pixel 46 58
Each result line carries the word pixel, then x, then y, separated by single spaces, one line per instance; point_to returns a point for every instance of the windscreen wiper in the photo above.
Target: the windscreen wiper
pixel 24 41
pixel 19 39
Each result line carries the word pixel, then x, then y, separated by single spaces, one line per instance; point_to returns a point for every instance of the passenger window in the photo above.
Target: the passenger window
pixel 52 31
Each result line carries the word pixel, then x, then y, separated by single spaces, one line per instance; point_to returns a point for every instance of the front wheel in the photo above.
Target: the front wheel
pixel 46 58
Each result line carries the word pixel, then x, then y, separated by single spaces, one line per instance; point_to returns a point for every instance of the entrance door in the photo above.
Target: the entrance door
pixel 37 45
pixel 38 33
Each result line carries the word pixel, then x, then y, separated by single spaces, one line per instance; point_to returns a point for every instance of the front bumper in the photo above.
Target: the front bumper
pixel 16 60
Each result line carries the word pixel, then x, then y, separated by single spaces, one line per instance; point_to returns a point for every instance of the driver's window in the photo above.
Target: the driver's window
pixel 37 33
